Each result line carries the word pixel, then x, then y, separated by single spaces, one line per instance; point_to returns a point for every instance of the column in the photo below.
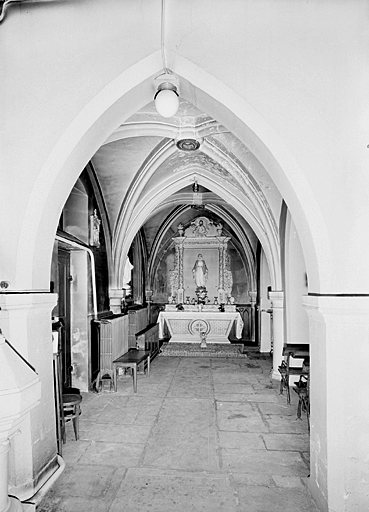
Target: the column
pixel 339 437
pixel 277 330
pixel 252 296
pixel 179 249
pixel 222 248
pixel 148 295
pixel 7 504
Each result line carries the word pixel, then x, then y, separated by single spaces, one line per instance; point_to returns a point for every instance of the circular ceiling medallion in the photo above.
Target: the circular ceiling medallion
pixel 188 144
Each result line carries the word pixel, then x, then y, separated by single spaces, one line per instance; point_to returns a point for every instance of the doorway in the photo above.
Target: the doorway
pixel 64 281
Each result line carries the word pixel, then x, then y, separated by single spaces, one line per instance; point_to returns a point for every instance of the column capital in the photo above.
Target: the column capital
pixel 19 310
pixel 179 242
pixel 115 299
pixel 276 298
pixel 253 296
pixel 28 300
pixel 340 307
pixel 115 293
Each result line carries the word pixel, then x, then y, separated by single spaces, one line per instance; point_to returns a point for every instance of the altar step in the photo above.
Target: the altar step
pixel 194 350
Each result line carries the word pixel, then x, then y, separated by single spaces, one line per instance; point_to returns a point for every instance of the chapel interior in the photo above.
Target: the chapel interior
pixel 184 217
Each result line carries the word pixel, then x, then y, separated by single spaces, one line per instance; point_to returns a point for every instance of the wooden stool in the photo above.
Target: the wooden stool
pixel 71 411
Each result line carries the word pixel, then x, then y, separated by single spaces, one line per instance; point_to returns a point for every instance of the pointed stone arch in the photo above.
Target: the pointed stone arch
pixel 118 100
pixel 148 202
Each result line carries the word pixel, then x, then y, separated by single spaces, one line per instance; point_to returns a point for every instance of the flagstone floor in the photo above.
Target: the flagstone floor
pixel 201 435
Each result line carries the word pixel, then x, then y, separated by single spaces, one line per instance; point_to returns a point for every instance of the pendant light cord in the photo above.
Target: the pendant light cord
pixel 162 36
pixel 5 7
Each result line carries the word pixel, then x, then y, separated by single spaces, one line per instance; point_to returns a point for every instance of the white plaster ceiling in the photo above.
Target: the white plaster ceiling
pixel 116 164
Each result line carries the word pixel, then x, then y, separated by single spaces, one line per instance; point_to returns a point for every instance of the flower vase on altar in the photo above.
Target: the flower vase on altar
pixel 201 293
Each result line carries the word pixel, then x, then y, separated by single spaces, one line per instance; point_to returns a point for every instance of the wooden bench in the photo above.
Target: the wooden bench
pixel 131 359
pixel 286 369
pixel 148 339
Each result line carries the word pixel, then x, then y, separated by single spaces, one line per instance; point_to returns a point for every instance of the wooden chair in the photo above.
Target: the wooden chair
pixel 302 388
pixel 288 368
pixel 71 412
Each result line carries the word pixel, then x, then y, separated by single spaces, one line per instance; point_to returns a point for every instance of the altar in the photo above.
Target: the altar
pixel 200 308
pixel 190 324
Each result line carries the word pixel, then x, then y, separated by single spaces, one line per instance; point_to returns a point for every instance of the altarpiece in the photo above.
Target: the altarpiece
pixel 201 307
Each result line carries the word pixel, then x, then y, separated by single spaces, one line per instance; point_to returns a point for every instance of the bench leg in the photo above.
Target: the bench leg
pixel 148 366
pixel 115 377
pixel 134 371
pixel 288 390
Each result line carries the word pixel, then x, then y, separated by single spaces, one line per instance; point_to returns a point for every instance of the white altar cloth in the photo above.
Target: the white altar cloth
pixel 185 326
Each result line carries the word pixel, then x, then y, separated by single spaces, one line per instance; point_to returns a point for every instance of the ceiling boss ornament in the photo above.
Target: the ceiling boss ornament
pixel 188 144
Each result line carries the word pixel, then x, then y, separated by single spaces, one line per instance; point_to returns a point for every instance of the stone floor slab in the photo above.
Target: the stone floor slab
pixel 236 408
pixel 73 450
pixel 120 433
pixel 290 442
pixel 229 397
pixel 276 409
pixel 251 479
pixel 285 425
pixel 242 378
pixel 114 414
pixel 84 480
pixel 267 499
pixel 290 482
pixel 263 462
pixel 85 425
pixel 118 400
pixel 263 397
pixel 112 454
pixel 144 401
pixel 241 422
pixel 93 409
pixel 236 439
pixel 69 504
pixel 190 391
pixel 145 419
pixel 184 436
pixel 164 491
pixel 233 389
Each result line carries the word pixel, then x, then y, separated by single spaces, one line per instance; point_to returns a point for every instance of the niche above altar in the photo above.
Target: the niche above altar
pixel 202 264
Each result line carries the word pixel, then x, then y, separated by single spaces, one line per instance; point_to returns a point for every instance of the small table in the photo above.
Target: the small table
pixel 131 360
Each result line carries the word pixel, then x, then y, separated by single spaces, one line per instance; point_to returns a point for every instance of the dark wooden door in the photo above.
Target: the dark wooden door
pixel 64 316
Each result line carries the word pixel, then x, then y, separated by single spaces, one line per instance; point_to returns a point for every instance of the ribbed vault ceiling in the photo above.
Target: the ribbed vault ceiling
pixel 140 160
